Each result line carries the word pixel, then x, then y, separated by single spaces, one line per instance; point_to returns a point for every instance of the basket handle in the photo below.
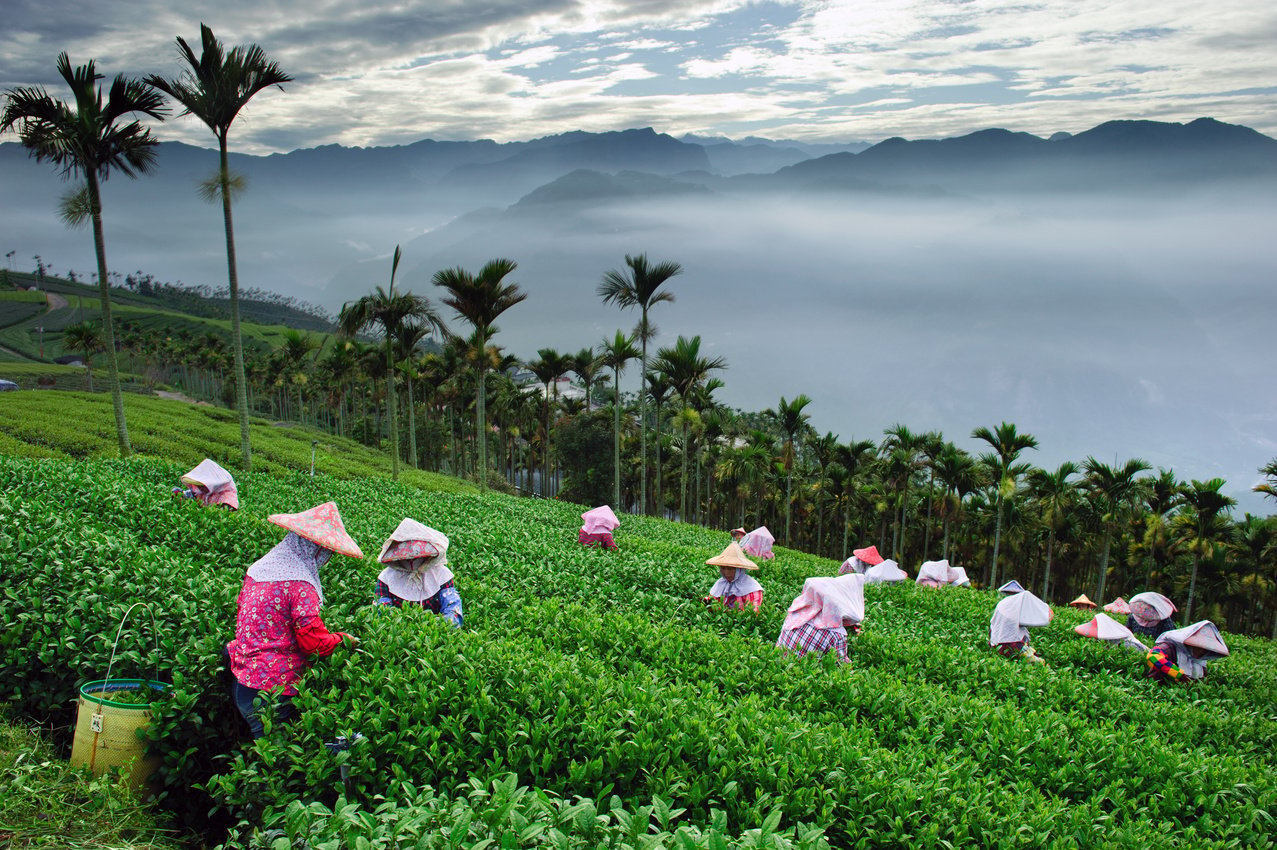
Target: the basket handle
pixel 155 633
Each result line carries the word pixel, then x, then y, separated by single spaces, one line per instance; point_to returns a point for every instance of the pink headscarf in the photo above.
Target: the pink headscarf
pixel 826 601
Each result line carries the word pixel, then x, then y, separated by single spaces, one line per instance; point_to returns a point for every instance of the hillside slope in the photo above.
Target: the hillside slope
pixel 601 674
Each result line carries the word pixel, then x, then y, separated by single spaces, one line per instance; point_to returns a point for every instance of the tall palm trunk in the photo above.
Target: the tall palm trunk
pixel 616 440
pixel 682 499
pixel 1046 576
pixel 237 339
pixel 412 426
pixel 642 400
pixel 108 327
pixel 997 539
pixel 1104 567
pixel 1192 585
pixel 931 498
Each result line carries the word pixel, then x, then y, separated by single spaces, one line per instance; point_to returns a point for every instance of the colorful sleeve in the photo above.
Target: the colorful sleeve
pixel 755 599
pixel 383 596
pixel 450 605
pixel 312 635
pixel 1160 665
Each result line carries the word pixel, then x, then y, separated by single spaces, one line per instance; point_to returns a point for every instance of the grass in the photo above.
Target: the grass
pixel 46 803
pixel 82 425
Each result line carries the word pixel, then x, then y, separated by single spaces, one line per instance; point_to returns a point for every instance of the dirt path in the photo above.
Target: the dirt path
pixel 176 396
pixel 56 301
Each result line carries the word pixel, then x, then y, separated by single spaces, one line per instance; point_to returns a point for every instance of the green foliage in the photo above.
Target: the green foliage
pixel 583 448
pixel 47 804
pixel 79 425
pixel 628 713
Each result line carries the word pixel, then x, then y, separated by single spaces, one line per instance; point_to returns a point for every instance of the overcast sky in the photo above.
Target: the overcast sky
pixel 372 72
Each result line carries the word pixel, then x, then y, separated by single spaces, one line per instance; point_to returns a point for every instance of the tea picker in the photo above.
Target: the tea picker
pixel 821 617
pixel 416 572
pixel 1010 624
pixel 278 624
pixel 735 588
pixel 597 525
pixel 209 484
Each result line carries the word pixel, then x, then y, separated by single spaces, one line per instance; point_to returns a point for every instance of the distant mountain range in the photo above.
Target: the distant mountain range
pixel 312 215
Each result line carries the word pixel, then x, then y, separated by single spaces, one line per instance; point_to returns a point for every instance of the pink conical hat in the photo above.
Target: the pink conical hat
pixel 1118 606
pixel 1103 627
pixel 869 555
pixel 600 519
pixel 321 524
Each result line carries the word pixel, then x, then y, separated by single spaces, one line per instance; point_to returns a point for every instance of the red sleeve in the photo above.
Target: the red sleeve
pixel 314 638
pixel 312 635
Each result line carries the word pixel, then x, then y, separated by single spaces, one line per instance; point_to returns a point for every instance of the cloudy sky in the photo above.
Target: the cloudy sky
pixel 376 72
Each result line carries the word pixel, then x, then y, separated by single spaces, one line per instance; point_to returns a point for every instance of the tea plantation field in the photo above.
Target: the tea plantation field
pixel 592 700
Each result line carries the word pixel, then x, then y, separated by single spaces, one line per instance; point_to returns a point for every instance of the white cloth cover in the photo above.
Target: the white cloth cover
pixel 600 519
pixel 826 601
pixel 1012 586
pixel 210 475
pixel 1204 636
pixel 758 543
pixel 293 559
pixel 1149 607
pixel 853 565
pixel 743 585
pixel 938 572
pixel 1104 628
pixel 1015 615
pixel 958 576
pixel 416 579
pixel 887 571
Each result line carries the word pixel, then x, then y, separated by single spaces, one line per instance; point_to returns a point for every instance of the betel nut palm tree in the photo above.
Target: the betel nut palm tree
pixel 387 310
pixel 480 299
pixel 616 353
pixel 686 369
pixel 1007 443
pixel 90 139
pixel 84 336
pixel 214 87
pixel 639 287
pixel 792 421
pixel 1205 526
pixel 1113 488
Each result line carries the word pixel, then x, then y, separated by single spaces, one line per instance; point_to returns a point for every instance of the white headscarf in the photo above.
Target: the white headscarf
pixel 743 585
pixel 887 571
pixel 293 559
pixel 825 602
pixel 1205 636
pixel 1014 615
pixel 416 579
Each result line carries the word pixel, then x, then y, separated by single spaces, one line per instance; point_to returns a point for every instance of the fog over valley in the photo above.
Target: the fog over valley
pixel 1125 317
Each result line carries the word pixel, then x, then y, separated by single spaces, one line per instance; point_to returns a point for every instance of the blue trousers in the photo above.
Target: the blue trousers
pixel 249 702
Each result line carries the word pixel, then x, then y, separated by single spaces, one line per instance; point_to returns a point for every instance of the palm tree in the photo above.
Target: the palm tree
pixel 214 87
pixel 616 353
pixel 90 141
pixel 1269 487
pixel 686 370
pixel 1205 525
pixel 1113 488
pixel 408 337
pixel 639 288
pixel 297 347
pixel 959 473
pixel 1007 443
pixel 85 337
pixel 586 365
pixel 854 457
pixel 1055 495
pixel 549 366
pixel 389 311
pixel 480 299
pixel 658 392
pixel 902 447
pixel 792 421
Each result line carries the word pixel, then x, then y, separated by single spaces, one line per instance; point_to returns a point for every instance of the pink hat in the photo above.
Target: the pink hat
pixel 322 525
pixel 599 519
pixel 869 555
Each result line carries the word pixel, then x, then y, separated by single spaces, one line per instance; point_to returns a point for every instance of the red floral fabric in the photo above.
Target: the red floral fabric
pixel 277 627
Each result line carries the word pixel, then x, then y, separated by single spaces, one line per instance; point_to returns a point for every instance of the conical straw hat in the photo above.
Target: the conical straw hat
pixel 732 556
pixel 321 524
pixel 868 555
pixel 1082 602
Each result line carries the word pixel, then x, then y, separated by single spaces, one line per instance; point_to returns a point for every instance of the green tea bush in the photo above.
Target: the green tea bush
pixel 600 676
